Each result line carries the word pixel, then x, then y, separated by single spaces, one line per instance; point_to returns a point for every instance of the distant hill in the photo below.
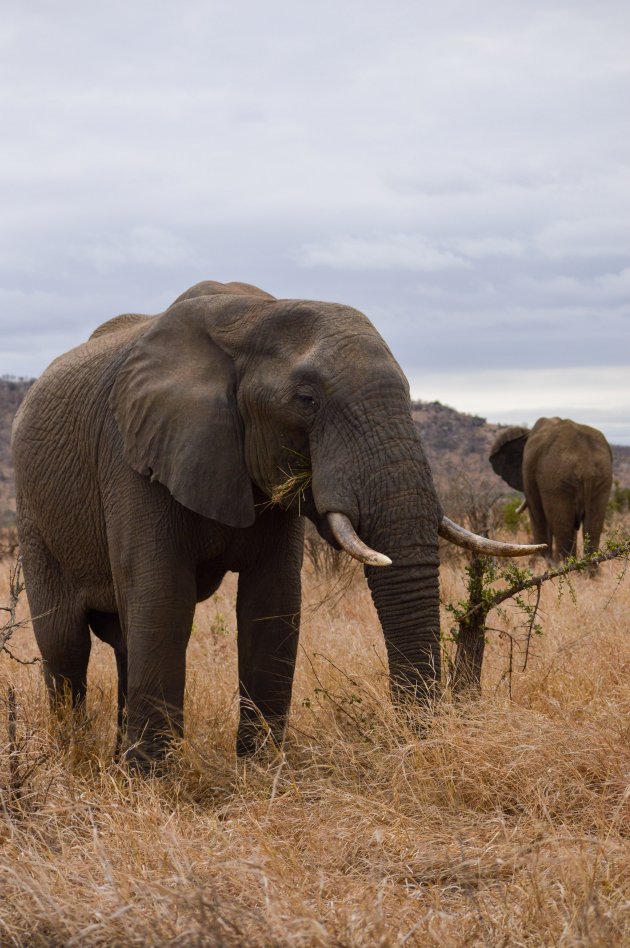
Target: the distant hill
pixel 455 442
pixel 621 463
pixel 12 391
pixel 457 446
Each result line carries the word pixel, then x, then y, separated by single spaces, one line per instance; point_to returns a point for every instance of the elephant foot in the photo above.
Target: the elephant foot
pixel 256 735
pixel 147 756
pixel 142 764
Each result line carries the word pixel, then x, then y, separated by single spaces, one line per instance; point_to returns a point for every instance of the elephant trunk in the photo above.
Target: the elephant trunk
pixel 404 525
pixel 407 603
pixel 382 485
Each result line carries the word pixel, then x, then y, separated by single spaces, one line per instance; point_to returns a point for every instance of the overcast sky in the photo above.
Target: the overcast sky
pixel 458 171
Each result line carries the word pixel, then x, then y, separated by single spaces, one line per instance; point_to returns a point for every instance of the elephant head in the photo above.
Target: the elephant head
pixel 265 391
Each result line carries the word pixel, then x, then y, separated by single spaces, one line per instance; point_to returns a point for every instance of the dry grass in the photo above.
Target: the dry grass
pixel 505 823
pixel 295 480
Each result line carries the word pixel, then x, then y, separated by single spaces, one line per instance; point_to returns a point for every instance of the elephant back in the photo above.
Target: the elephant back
pixel 571 453
pixel 118 323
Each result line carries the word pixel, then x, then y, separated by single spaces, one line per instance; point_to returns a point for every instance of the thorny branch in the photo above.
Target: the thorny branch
pixel 570 566
pixel 471 615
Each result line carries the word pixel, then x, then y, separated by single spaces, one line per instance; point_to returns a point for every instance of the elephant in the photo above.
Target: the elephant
pixel 147 465
pixel 565 471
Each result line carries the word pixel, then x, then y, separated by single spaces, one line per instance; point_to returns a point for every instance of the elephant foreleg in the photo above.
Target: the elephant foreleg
pixel 268 614
pixel 157 621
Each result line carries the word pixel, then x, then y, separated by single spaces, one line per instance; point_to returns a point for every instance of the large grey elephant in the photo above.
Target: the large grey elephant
pixel 145 461
pixel 565 471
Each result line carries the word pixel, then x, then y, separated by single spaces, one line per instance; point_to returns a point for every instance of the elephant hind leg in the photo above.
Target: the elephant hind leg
pixel 566 542
pixel 540 525
pixel 565 524
pixel 59 622
pixel 63 638
pixel 594 522
pixel 64 642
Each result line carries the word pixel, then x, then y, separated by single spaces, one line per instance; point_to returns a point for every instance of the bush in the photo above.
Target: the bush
pixel 619 499
pixel 510 518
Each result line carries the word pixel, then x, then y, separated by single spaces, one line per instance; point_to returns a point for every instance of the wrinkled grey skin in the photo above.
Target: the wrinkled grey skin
pixel 565 471
pixel 144 461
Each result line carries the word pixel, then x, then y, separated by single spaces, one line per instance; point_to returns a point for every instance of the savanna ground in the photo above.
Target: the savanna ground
pixel 506 822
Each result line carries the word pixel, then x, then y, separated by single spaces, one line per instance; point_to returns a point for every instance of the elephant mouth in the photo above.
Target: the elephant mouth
pixel 346 537
pixel 336 528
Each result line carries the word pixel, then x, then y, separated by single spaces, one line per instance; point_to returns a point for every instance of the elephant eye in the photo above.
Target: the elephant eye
pixel 305 400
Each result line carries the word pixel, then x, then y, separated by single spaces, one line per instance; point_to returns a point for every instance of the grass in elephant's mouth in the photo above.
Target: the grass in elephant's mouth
pixel 506 823
pixel 294 482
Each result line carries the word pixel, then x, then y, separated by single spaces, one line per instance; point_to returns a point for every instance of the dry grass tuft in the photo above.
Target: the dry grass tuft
pixel 500 822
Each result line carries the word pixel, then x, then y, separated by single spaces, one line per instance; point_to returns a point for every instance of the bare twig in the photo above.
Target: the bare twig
pixel 508 674
pixel 332 698
pixel 16 588
pixel 14 782
pixel 530 629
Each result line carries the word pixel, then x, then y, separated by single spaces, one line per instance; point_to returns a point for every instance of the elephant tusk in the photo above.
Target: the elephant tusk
pixel 471 541
pixel 521 507
pixel 345 535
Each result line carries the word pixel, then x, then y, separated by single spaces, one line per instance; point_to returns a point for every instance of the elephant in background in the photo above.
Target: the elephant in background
pixel 565 471
pixel 145 461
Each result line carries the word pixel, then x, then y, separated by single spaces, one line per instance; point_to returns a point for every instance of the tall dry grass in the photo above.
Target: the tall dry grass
pixel 503 822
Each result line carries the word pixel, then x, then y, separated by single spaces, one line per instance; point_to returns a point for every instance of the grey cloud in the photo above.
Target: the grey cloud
pixel 587 237
pixel 603 289
pixel 142 244
pixel 479 247
pixel 387 252
pixel 457 172
pixel 434 183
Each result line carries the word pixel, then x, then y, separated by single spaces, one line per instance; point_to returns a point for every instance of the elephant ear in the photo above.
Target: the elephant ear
pixel 506 455
pixel 174 401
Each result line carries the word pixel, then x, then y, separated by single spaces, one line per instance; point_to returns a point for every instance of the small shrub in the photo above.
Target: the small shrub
pixel 510 517
pixel 619 499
